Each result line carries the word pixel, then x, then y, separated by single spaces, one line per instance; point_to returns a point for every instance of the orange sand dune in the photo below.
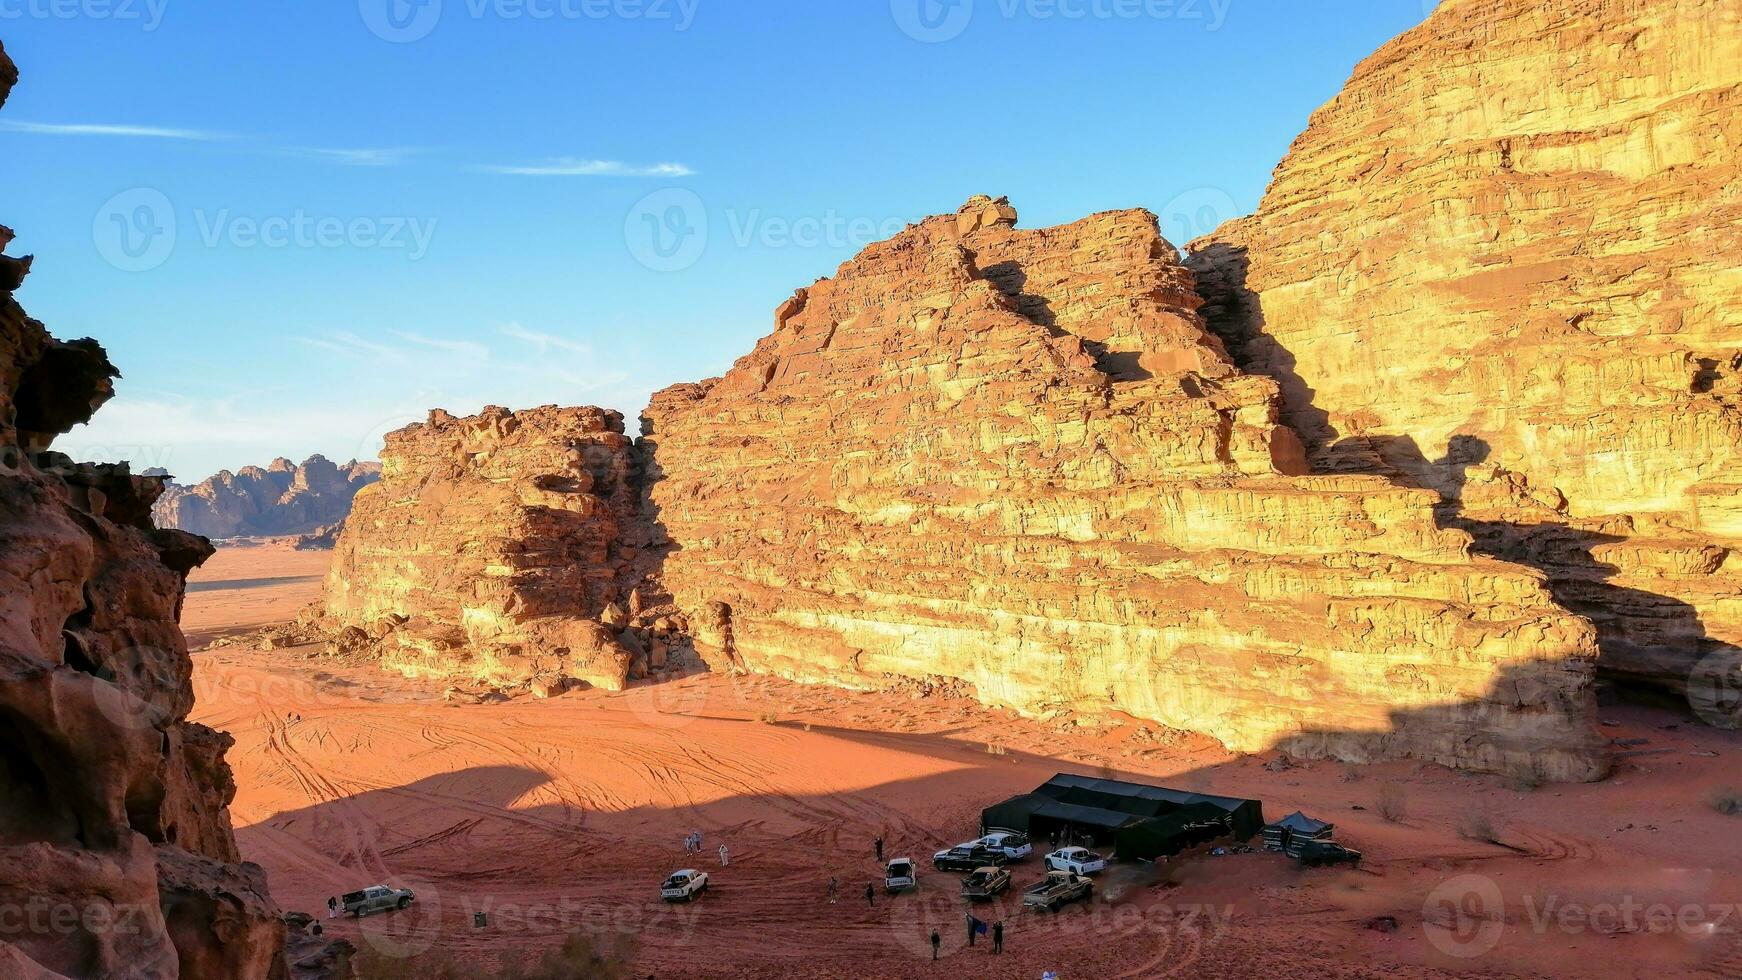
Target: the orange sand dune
pixel 552 816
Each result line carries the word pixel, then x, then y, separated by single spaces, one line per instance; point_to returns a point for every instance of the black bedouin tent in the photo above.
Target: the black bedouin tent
pixel 1190 825
pixel 1149 820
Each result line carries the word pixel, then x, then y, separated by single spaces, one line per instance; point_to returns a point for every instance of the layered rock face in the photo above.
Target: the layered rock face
pixel 494 548
pixel 1018 462
pixel 280 499
pixel 1502 263
pixel 116 853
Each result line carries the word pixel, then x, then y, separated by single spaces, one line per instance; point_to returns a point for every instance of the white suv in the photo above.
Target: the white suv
pixel 1009 843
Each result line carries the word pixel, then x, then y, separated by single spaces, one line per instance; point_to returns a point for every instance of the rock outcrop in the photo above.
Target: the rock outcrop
pixel 496 549
pixel 279 499
pixel 1502 265
pixel 1018 461
pixel 116 854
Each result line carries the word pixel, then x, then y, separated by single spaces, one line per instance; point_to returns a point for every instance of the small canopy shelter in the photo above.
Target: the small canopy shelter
pixel 1297 828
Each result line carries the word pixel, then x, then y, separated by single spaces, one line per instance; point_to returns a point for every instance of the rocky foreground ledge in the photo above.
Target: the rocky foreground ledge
pixel 116 852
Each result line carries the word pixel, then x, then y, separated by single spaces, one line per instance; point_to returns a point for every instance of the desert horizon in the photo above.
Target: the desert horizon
pixel 1288 525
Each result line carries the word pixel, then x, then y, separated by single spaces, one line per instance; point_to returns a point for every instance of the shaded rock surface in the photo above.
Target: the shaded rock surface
pixel 494 550
pixel 1501 263
pixel 281 498
pixel 116 853
pixel 1019 462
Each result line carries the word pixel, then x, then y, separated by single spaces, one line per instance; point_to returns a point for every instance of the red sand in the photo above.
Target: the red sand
pixel 553 816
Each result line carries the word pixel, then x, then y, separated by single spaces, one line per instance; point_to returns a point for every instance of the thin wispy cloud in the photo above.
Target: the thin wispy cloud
pixel 113 129
pixel 571 167
pixel 349 344
pixel 544 342
pixel 462 348
pixel 359 157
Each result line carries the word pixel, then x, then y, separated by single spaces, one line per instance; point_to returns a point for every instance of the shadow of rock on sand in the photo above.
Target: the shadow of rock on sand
pixel 543 849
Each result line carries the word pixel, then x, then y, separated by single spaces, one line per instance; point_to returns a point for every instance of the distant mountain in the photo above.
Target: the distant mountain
pixel 283 498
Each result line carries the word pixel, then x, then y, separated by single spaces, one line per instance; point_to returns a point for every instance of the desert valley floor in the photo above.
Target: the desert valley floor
pixel 562 815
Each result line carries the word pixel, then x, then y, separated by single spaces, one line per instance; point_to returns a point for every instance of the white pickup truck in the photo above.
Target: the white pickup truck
pixel 376 898
pixel 1077 860
pixel 684 886
pixel 900 875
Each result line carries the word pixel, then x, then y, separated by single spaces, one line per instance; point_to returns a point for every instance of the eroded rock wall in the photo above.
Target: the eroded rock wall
pixel 1018 461
pixel 116 853
pixel 496 549
pixel 1502 262
pixel 281 498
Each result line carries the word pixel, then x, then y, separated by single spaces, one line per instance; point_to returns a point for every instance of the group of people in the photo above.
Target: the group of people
pixel 692 844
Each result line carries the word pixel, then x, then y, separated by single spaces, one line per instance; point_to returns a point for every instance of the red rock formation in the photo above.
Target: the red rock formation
pixel 493 549
pixel 281 499
pixel 1018 460
pixel 1501 262
pixel 116 854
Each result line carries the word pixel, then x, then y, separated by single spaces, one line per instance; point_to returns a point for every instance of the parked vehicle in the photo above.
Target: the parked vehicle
pixel 986 884
pixel 1314 853
pixel 1057 889
pixel 900 875
pixel 376 898
pixel 1015 846
pixel 968 857
pixel 1078 860
pixel 684 886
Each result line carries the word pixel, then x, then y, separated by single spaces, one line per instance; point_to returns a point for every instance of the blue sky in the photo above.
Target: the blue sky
pixel 299 225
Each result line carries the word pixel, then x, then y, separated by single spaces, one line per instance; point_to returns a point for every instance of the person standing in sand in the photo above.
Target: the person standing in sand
pixel 834 889
pixel 878 843
pixel 725 856
pixel 998 936
pixel 871 896
pixel 936 941
pixel 332 908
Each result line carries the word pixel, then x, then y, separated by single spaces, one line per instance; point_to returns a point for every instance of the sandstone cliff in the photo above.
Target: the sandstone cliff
pixel 494 549
pixel 116 854
pixel 1018 461
pixel 280 499
pixel 1502 264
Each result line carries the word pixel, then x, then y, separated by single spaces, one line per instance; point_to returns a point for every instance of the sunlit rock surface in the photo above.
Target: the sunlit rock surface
pixel 1503 263
pixel 492 548
pixel 1017 461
